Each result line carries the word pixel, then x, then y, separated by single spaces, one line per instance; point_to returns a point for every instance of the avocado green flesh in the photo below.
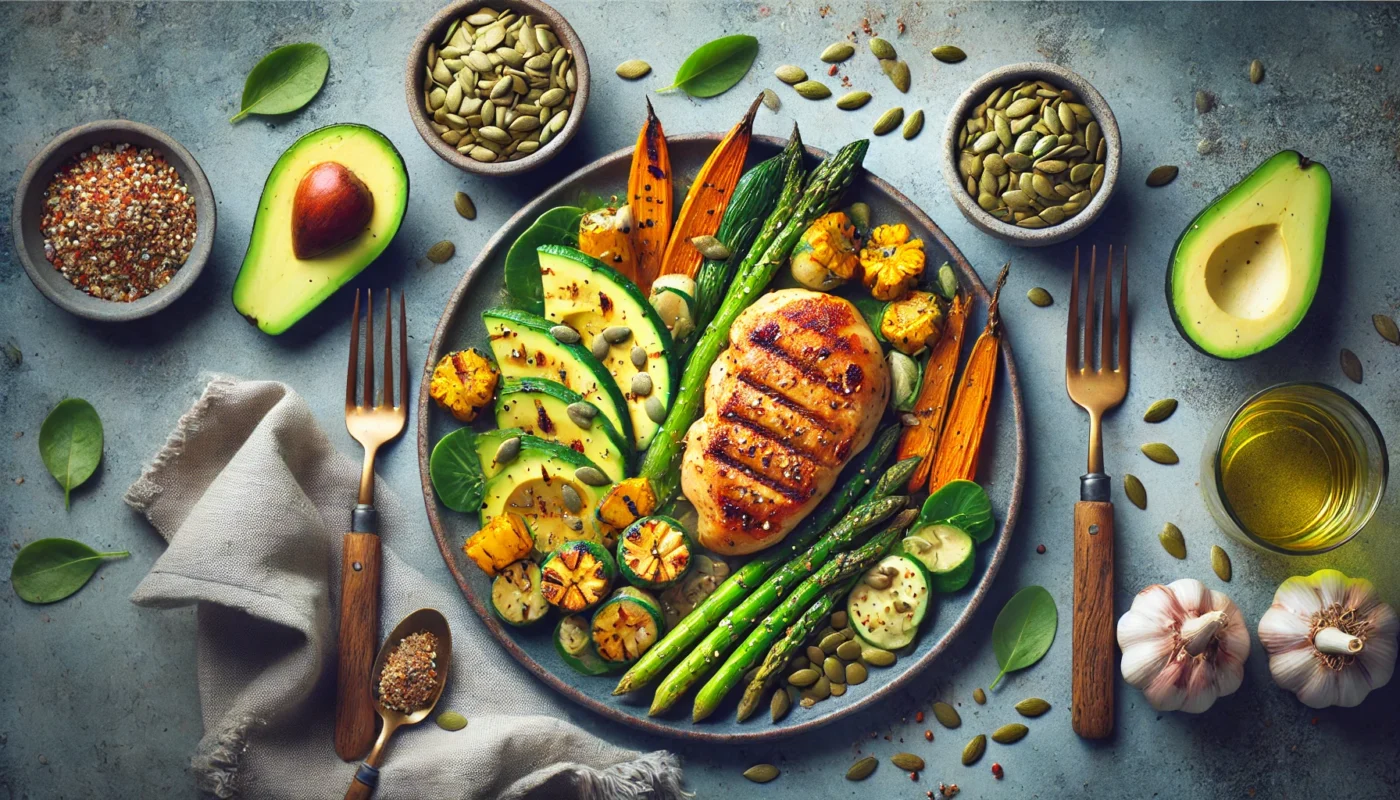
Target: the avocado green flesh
pixel 274 288
pixel 1245 271
pixel 531 485
pixel 540 408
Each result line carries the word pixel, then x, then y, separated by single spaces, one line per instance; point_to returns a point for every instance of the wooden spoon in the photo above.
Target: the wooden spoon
pixel 424 619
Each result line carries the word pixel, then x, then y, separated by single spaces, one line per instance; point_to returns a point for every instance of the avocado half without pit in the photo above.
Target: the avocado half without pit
pixel 330 207
pixel 1245 271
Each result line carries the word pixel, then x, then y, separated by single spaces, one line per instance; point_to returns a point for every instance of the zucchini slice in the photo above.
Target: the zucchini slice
pixel 577 576
pixel 889 601
pixel 573 638
pixel 627 625
pixel 517 594
pixel 946 552
pixel 654 552
pixel 542 408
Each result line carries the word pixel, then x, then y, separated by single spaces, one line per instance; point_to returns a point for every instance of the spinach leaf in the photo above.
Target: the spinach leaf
pixel 49 570
pixel 715 67
pixel 455 470
pixel 285 80
pixel 962 504
pixel 70 442
pixel 1024 630
pixel 555 226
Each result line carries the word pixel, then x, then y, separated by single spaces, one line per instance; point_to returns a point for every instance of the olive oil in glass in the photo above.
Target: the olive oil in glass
pixel 1299 468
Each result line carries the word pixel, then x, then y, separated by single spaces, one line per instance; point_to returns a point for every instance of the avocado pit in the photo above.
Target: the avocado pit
pixel 331 207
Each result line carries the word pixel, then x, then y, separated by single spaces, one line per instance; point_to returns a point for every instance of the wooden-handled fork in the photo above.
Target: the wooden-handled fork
pixel 1096 390
pixel 372 426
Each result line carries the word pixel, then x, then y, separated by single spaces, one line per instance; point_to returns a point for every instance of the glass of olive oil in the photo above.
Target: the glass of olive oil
pixel 1298 468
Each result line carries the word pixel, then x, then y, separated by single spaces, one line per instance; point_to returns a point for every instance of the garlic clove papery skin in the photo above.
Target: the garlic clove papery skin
pixel 1162 630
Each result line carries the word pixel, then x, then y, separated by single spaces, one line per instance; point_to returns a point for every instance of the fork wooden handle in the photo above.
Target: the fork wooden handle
pixel 1091 706
pixel 358 643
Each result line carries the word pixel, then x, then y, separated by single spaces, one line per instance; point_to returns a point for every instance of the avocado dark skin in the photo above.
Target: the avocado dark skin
pixel 331 207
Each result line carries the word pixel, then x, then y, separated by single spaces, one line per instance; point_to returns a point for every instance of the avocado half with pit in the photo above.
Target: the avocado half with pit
pixel 330 207
pixel 1245 271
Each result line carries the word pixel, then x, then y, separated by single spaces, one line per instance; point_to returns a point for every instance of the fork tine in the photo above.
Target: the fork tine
pixel 1123 337
pixel 387 401
pixel 369 348
pixel 354 353
pixel 403 354
pixel 1072 331
pixel 1089 312
pixel 1106 336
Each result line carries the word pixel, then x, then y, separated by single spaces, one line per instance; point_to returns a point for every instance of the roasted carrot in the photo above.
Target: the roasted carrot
pixel 932 402
pixel 649 196
pixel 955 458
pixel 708 198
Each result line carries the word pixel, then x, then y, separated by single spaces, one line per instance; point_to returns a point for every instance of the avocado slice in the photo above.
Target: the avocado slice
pixel 1245 271
pixel 274 288
pixel 532 485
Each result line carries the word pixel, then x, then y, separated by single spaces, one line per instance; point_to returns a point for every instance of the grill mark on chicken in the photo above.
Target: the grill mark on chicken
pixel 767 459
pixel 845 382
pixel 813 443
pixel 725 458
pixel 822 408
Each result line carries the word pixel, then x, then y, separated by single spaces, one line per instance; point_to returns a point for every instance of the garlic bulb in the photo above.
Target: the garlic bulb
pixel 1330 639
pixel 1183 645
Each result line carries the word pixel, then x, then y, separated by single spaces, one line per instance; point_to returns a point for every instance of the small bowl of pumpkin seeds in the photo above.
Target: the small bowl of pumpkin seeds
pixel 497 87
pixel 1031 153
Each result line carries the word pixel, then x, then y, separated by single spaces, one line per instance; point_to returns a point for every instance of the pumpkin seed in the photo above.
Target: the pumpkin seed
pixel 656 410
pixel 840 619
pixel 1220 562
pixel 464 204
pixel 1161 176
pixel 1040 297
pixel 565 334
pixel 888 121
pixel 848 650
pixel 790 75
pixel 1204 102
pixel 813 90
pixel 581 413
pixel 834 670
pixel 770 99
pixel 815 654
pixel 898 73
pixel 907 762
pixel 639 356
pixel 949 54
pixel 781 704
pixel 838 689
pixel 441 252
pixel 861 770
pixel 1011 732
pixel 1022 107
pixel 711 248
pixel 852 100
pixel 856 672
pixel 974 750
pixel 1172 540
pixel 600 347
pixel 1160 410
pixel 591 476
pixel 838 52
pixel 1385 326
pixel 617 334
pixel 1161 453
pixel 947 281
pixel 831 641
pixel 946 715
pixel 979 696
pixel 451 721
pixel 508 450
pixel 1032 707
pixel 633 69
pixel 1256 71
pixel 1135 491
pixel 761 773
pixel 820 690
pixel 1351 366
pixel 881 48
pixel 572 500
pixel 641 384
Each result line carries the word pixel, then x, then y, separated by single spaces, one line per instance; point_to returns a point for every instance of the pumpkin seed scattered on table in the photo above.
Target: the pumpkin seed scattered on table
pixel 633 69
pixel 914 124
pixel 1161 176
pixel 1040 297
pixel 946 715
pixel 1010 733
pixel 949 54
pixel 770 99
pixel 1032 707
pixel 1351 366
pixel 451 721
pixel 813 90
pixel 888 121
pixel 1160 410
pixel 1220 562
pixel 1204 102
pixel 1172 541
pixel 761 773
pixel 1256 71
pixel 790 74
pixel 838 52
pixel 898 73
pixel 850 101
pixel 1135 491
pixel 979 696
pixel 1160 453
pixel 882 49
pixel 464 205
pixel 441 252
pixel 861 770
pixel 908 762
pixel 974 750
pixel 1386 327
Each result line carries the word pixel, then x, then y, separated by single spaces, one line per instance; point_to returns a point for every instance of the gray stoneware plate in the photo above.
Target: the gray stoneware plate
pixel 1002 464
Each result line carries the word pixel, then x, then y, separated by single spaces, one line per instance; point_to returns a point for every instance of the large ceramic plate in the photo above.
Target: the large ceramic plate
pixel 1002 465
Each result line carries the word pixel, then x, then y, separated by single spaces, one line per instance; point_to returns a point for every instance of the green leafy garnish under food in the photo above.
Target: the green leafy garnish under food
pixel 455 470
pixel 715 67
pixel 70 443
pixel 285 80
pixel 1024 630
pixel 48 570
pixel 962 504
pixel 555 226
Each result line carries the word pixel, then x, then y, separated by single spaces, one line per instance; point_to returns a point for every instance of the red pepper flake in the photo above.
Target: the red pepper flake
pixel 831 70
pixel 997 771
pixel 928 736
pixel 899 22
pixel 919 717
pixel 865 26
pixel 1040 548
pixel 1314 720
pixel 823 11
pixel 914 776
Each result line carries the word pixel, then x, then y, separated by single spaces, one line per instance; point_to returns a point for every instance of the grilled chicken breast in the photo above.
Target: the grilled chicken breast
pixel 799 391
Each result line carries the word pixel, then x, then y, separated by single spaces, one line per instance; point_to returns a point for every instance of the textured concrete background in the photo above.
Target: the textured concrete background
pixel 99 693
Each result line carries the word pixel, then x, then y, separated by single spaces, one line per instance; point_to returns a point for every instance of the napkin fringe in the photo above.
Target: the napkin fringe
pixel 651 776
pixel 215 764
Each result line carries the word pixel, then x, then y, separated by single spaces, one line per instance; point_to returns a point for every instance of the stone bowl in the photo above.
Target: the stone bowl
pixel 29 206
pixel 433 32
pixel 1007 232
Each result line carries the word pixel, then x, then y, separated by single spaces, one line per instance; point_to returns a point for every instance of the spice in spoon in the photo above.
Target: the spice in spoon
pixel 409 678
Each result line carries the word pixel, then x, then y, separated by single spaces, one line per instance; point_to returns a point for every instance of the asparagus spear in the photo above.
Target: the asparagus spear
pixel 733 590
pixel 781 652
pixel 835 571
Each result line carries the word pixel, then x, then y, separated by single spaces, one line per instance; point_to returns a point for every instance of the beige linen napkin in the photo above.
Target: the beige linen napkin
pixel 253 500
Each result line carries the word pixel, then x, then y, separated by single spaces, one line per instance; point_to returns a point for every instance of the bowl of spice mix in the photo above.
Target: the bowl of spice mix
pixel 497 87
pixel 113 220
pixel 1031 154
